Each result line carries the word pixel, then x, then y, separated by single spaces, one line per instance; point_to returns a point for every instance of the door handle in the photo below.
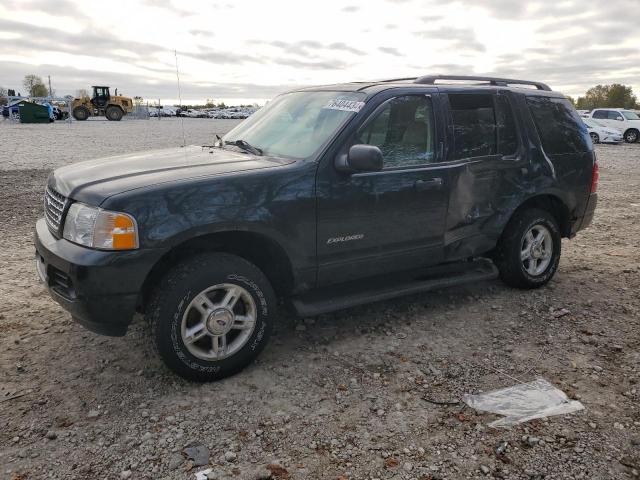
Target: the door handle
pixel 428 184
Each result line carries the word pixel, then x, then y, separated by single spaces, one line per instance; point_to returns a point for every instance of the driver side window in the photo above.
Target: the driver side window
pixel 403 130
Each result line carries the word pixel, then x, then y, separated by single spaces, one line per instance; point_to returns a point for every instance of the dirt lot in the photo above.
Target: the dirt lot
pixel 351 395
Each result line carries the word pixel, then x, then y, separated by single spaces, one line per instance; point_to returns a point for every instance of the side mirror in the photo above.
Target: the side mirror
pixel 619 118
pixel 361 158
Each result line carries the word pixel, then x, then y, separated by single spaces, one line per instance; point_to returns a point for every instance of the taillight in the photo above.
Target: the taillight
pixel 595 175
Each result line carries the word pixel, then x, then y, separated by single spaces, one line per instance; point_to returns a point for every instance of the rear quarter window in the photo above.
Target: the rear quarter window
pixel 559 126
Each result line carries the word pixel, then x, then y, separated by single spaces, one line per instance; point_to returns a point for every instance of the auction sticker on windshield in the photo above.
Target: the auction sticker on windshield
pixel 344 105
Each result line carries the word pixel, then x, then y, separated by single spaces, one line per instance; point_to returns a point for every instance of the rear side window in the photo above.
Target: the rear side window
pixel 602 114
pixel 482 125
pixel 507 133
pixel 474 125
pixel 559 126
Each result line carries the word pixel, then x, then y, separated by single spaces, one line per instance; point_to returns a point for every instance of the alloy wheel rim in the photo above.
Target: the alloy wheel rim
pixel 218 322
pixel 536 250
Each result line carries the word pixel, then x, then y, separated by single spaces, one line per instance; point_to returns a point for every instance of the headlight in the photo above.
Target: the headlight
pixel 98 228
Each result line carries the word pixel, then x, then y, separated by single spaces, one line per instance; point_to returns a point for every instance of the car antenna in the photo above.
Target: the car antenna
pixel 184 142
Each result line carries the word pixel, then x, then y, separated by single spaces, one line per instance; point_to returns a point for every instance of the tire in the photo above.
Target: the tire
pixel 594 137
pixel 81 113
pixel 515 270
pixel 631 135
pixel 114 113
pixel 176 309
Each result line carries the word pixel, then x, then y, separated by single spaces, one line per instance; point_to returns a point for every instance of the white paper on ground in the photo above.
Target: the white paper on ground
pixel 202 474
pixel 523 402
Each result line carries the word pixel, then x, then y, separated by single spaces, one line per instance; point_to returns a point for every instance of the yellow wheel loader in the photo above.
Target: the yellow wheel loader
pixel 102 103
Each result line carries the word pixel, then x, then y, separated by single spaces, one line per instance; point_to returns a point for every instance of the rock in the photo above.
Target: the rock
pixel 51 435
pixel 125 474
pixel 561 313
pixel 260 473
pixel 408 466
pixel 230 456
pixel 530 441
pixel 175 460
pixel 93 414
pixel 484 469
pixel 198 453
pixel 213 475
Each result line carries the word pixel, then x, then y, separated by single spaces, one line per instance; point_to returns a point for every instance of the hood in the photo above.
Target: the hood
pixel 95 180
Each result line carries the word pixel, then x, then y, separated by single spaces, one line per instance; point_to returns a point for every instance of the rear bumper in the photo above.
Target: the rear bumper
pixel 99 289
pixel 589 211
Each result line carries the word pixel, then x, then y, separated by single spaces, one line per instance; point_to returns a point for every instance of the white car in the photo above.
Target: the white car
pixel 627 121
pixel 602 134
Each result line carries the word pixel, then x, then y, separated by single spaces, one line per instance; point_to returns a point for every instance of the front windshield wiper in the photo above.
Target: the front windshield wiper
pixel 244 145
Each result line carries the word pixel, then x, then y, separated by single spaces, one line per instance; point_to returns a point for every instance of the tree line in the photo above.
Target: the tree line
pixel 601 96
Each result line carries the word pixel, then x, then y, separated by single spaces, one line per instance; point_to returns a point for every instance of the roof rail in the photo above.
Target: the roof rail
pixel 500 82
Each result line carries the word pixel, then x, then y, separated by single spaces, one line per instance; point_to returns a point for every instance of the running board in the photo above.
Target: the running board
pixel 347 295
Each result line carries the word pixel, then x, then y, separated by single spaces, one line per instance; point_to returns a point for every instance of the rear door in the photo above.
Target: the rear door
pixel 373 223
pixel 485 154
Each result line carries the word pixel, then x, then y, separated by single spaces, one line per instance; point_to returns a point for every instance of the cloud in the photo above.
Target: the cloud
pixel 309 48
pixel 68 80
pixel 459 38
pixel 88 42
pixel 390 51
pixel 350 8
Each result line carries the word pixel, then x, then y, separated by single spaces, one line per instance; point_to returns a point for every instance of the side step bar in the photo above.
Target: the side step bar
pixel 347 295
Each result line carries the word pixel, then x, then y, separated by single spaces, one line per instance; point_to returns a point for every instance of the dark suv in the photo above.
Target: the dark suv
pixel 326 198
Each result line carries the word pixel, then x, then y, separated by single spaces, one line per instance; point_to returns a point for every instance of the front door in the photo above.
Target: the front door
pixel 375 222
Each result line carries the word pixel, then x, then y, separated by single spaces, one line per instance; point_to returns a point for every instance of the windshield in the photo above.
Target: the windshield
pixel 297 124
pixel 630 115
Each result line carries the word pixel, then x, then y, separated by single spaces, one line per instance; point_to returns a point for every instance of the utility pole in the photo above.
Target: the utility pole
pixel 50 91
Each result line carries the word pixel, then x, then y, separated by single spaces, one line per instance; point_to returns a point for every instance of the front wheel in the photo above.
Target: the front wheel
pixel 113 113
pixel 528 252
pixel 211 316
pixel 594 137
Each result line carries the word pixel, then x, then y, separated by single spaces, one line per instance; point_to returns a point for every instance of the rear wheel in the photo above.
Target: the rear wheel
pixel 631 135
pixel 211 316
pixel 528 253
pixel 594 137
pixel 113 113
pixel 81 113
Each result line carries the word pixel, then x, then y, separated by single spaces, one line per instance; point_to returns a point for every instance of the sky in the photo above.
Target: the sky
pixel 241 51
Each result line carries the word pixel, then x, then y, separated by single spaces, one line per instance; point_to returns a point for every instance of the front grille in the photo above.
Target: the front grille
pixel 54 209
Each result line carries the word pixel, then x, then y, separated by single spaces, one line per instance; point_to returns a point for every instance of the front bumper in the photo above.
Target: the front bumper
pixel 99 289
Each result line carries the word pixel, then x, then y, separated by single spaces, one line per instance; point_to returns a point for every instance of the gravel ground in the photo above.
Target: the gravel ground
pixel 54 144
pixel 367 393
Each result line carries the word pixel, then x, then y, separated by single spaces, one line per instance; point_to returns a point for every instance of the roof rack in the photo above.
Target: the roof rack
pixel 499 82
